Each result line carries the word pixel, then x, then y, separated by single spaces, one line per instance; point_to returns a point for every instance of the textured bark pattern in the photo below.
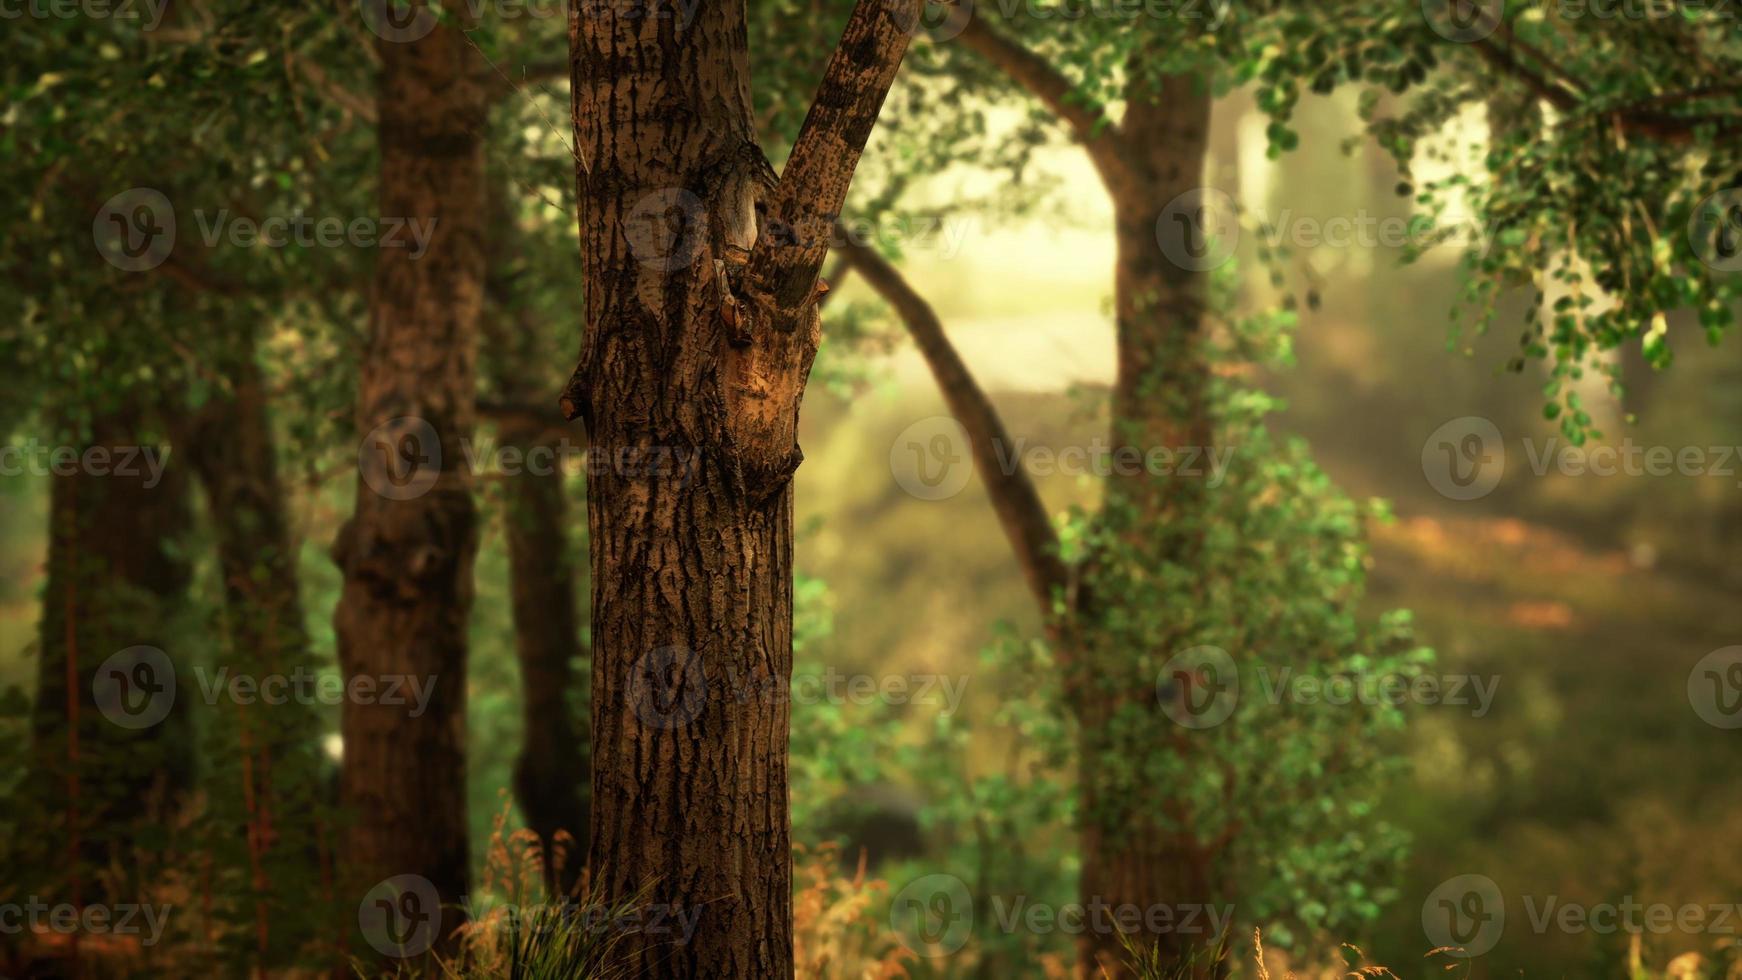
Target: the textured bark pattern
pixel 813 187
pixel 690 380
pixel 407 563
pixel 116 579
pixel 690 813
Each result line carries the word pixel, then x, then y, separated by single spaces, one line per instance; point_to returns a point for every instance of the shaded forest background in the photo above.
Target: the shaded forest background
pixel 1588 598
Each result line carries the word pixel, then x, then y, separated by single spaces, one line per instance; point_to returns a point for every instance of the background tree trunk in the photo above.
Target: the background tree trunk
pixel 231 447
pixel 117 579
pixel 553 774
pixel 1133 853
pixel 407 552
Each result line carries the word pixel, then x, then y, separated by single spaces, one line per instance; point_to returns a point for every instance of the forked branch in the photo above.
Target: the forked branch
pixel 813 186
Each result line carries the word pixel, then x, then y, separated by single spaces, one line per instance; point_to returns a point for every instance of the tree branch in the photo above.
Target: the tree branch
pixel 361 106
pixel 527 421
pixel 504 86
pixel 813 186
pixel 1090 126
pixel 1497 48
pixel 1014 495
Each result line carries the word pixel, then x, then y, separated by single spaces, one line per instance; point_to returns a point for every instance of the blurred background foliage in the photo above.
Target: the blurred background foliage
pixel 1589 598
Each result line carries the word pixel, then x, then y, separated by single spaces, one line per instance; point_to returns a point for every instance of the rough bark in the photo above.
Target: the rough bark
pixel 407 552
pixel 117 579
pixel 692 369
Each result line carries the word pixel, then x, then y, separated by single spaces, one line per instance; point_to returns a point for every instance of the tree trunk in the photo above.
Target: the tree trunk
pixel 407 551
pixel 1136 852
pixel 1133 855
pixel 553 773
pixel 552 776
pixel 114 753
pixel 692 569
pixel 701 329
pixel 231 448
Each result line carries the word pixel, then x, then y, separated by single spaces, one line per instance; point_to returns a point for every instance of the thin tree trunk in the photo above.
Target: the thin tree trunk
pixel 553 774
pixel 407 552
pixel 1015 498
pixel 1137 864
pixel 701 329
pixel 231 448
